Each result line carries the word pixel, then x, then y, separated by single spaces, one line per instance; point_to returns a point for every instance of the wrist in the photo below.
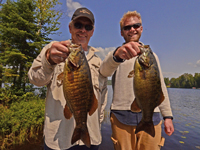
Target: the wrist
pixel 117 58
pixel 168 117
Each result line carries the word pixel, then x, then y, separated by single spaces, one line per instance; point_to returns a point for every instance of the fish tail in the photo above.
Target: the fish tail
pixel 148 127
pixel 83 134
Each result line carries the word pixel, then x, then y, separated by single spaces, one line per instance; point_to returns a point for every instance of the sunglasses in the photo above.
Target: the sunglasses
pixel 135 26
pixel 79 25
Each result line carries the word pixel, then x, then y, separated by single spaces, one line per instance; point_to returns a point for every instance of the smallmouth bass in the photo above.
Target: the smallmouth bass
pixel 147 89
pixel 78 92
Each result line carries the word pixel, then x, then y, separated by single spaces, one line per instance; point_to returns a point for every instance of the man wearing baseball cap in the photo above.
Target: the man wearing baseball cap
pixel 44 71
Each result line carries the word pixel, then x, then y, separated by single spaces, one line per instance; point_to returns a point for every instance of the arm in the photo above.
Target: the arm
pixel 127 51
pixel 104 93
pixel 109 65
pixel 42 69
pixel 165 107
pixel 116 57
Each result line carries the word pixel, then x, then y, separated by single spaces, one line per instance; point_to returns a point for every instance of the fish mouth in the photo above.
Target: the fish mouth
pixel 143 61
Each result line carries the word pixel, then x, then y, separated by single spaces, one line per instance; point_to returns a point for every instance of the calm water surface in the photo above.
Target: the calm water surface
pixel 185 105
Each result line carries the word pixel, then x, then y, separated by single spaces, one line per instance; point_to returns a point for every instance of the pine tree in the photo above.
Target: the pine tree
pixel 25 27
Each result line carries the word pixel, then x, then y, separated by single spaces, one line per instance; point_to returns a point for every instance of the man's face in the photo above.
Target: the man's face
pixel 133 34
pixel 78 32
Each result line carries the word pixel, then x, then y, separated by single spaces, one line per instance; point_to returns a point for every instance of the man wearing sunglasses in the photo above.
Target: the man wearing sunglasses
pixel 119 63
pixel 44 71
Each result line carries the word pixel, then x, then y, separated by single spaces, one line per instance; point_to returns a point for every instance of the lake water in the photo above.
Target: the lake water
pixel 185 105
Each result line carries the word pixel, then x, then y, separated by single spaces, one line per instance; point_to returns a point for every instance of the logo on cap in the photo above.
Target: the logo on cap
pixel 84 12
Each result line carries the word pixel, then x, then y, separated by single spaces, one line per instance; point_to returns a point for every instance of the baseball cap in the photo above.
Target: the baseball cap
pixel 83 12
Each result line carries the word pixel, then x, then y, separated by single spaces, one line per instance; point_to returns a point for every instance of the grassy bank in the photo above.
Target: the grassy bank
pixel 21 122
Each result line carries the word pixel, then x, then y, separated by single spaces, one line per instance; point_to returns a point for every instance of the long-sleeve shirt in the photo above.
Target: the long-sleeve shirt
pixel 57 129
pixel 123 94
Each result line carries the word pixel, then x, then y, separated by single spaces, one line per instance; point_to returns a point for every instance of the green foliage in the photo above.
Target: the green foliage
pixel 47 17
pixel 25 26
pixel 197 79
pixel 22 121
pixel 7 97
pixel 184 81
pixel 167 81
pixel 24 29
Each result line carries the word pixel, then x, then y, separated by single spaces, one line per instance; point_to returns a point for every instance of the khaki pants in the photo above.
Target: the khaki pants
pixel 124 137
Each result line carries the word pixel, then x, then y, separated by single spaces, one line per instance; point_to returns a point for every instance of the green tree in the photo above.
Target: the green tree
pixel 25 27
pixel 174 83
pixel 167 82
pixel 197 80
pixel 47 17
pixel 186 80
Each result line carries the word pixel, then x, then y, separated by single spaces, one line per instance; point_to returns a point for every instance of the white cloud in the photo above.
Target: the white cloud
pixel 195 65
pixel 71 7
pixel 103 52
pixel 198 63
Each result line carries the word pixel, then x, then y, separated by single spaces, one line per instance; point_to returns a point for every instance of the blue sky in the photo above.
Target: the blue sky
pixel 171 28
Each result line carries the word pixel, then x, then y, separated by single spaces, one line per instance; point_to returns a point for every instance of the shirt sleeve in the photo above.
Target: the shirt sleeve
pixel 164 107
pixel 109 65
pixel 104 94
pixel 41 71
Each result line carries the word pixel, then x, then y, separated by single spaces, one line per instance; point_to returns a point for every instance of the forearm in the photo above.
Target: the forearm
pixel 164 107
pixel 104 93
pixel 109 65
pixel 41 70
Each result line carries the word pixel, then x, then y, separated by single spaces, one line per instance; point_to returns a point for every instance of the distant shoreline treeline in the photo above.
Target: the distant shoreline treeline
pixel 184 81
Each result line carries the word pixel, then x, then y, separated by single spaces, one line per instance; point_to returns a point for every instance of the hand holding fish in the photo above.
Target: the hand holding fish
pixel 128 50
pixel 58 52
pixel 169 127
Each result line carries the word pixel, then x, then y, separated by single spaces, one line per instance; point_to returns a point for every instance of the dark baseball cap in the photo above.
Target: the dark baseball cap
pixel 83 12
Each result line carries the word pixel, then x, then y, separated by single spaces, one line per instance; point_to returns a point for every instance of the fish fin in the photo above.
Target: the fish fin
pixel 67 112
pixel 94 105
pixel 60 76
pixel 85 137
pixel 162 97
pixel 135 107
pixel 131 74
pixel 76 135
pixel 148 127
pixel 83 134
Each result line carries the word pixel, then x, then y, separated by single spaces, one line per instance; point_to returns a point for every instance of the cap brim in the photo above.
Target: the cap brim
pixel 84 17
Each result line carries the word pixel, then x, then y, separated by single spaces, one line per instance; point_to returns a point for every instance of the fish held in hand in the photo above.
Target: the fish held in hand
pixel 78 92
pixel 147 89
